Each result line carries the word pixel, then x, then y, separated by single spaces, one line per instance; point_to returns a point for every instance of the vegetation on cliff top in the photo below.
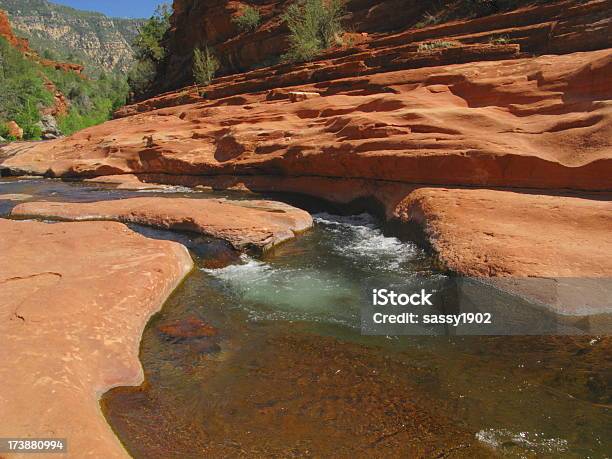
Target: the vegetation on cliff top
pixel 248 20
pixel 25 94
pixel 149 51
pixel 314 25
pixel 100 43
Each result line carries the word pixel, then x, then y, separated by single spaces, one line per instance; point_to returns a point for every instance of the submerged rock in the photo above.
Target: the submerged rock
pixel 191 327
pixel 74 300
pixel 246 225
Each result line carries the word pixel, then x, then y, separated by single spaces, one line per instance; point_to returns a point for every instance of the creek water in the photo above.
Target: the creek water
pixel 280 368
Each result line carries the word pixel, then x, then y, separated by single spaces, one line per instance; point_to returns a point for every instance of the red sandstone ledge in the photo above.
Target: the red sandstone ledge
pixel 74 300
pixel 247 225
pixel 553 249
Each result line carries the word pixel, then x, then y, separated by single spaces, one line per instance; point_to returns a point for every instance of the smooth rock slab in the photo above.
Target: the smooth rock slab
pixel 554 249
pixel 246 225
pixel 126 182
pixel 74 300
pixel 15 197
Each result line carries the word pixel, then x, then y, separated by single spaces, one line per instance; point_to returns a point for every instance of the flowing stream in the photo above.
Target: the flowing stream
pixel 279 367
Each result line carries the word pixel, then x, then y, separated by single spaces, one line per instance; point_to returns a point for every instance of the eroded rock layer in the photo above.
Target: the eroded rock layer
pixel 494 233
pixel 552 249
pixel 538 27
pixel 74 299
pixel 246 225
pixel 541 123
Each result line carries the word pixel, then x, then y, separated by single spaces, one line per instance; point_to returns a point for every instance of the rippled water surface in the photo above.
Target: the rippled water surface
pixel 275 365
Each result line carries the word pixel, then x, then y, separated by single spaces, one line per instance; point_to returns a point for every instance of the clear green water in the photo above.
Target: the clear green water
pixel 289 374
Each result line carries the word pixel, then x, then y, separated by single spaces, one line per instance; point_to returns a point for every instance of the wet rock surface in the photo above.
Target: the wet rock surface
pixel 191 327
pixel 335 400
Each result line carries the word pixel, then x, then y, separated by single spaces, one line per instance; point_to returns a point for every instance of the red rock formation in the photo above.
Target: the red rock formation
pixel 246 225
pixel 63 66
pixel 6 32
pixel 486 233
pixel 22 44
pixel 72 312
pixel 560 27
pixel 521 123
pixel 14 130
pixel 554 249
pixel 60 105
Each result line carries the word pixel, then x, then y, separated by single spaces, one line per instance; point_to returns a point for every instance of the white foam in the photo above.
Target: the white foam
pixel 360 237
pixel 169 189
pixel 329 289
pixel 534 442
pixel 289 293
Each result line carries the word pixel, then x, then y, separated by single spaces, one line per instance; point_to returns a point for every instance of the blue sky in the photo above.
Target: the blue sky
pixel 116 8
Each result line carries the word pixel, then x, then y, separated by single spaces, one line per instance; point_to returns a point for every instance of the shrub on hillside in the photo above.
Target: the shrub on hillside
pixel 430 46
pixel 141 76
pixel 314 25
pixel 149 50
pixel 248 20
pixel 501 40
pixel 205 65
pixel 484 7
pixel 22 93
pixel 91 101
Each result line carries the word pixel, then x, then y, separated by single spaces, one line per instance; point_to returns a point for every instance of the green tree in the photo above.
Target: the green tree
pixel 315 25
pixel 205 65
pixel 148 42
pixel 22 93
pixel 248 20
pixel 149 50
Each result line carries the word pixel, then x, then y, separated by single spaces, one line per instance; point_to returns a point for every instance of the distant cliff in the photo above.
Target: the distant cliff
pixel 99 42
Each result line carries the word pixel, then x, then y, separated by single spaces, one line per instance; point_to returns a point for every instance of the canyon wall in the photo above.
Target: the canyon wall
pixel 552 27
pixel 100 42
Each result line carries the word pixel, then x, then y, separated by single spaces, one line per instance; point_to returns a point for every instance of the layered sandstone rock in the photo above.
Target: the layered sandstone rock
pixel 550 27
pixel 246 225
pixel 554 249
pixel 74 299
pixel 491 233
pixel 126 182
pixel 541 123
